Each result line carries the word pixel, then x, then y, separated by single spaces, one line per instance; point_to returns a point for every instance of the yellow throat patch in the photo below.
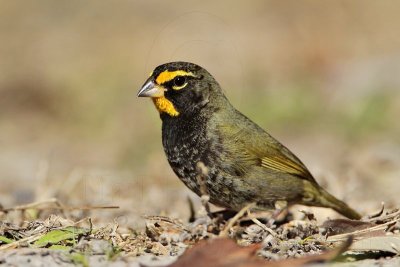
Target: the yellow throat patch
pixel 164 105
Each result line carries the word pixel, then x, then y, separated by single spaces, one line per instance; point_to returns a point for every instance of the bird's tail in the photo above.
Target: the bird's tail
pixel 332 202
pixel 322 198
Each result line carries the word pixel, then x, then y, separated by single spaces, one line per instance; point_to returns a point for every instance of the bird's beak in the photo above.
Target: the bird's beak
pixel 150 89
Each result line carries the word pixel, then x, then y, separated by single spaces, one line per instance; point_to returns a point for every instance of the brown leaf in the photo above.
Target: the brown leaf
pixel 224 252
pixel 219 252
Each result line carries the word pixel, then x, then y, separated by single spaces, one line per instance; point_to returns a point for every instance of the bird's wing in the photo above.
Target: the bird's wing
pixel 247 140
pixel 280 164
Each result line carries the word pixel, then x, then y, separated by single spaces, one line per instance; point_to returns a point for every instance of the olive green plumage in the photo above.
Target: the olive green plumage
pixel 244 163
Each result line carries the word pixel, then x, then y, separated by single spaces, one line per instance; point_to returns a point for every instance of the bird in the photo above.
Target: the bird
pixel 245 165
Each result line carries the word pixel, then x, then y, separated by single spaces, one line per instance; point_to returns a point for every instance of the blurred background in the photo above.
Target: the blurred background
pixel 323 77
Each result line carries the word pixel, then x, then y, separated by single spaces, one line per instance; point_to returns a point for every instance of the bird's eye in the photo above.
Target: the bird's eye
pixel 179 81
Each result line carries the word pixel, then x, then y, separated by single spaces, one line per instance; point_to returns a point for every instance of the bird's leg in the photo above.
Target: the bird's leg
pixel 231 222
pixel 192 216
pixel 225 214
pixel 281 211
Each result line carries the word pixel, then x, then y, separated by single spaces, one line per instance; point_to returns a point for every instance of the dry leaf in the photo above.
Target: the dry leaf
pixel 223 252
pixel 219 252
pixel 342 226
pixel 362 232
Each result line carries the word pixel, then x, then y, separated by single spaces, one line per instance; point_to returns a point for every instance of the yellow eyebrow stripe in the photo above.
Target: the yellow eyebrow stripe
pixel 167 76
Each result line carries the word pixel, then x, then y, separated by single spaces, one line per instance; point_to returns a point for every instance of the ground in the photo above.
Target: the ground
pixel 83 176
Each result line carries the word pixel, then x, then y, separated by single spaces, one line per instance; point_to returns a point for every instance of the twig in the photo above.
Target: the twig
pixel 379 213
pixel 341 237
pixel 384 217
pixel 174 222
pixel 63 208
pixel 263 226
pixel 32 205
pixel 88 219
pixel 59 206
pixel 18 242
pixel 232 221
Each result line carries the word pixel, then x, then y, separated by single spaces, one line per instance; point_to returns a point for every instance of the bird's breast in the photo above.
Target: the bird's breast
pixel 185 144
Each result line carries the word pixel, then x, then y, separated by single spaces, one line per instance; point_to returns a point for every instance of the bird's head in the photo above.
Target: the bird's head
pixel 179 88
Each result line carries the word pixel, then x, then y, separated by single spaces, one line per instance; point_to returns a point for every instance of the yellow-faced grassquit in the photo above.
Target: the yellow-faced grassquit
pixel 244 163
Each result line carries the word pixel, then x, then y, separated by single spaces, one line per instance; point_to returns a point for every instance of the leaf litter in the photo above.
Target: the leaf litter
pixel 246 240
